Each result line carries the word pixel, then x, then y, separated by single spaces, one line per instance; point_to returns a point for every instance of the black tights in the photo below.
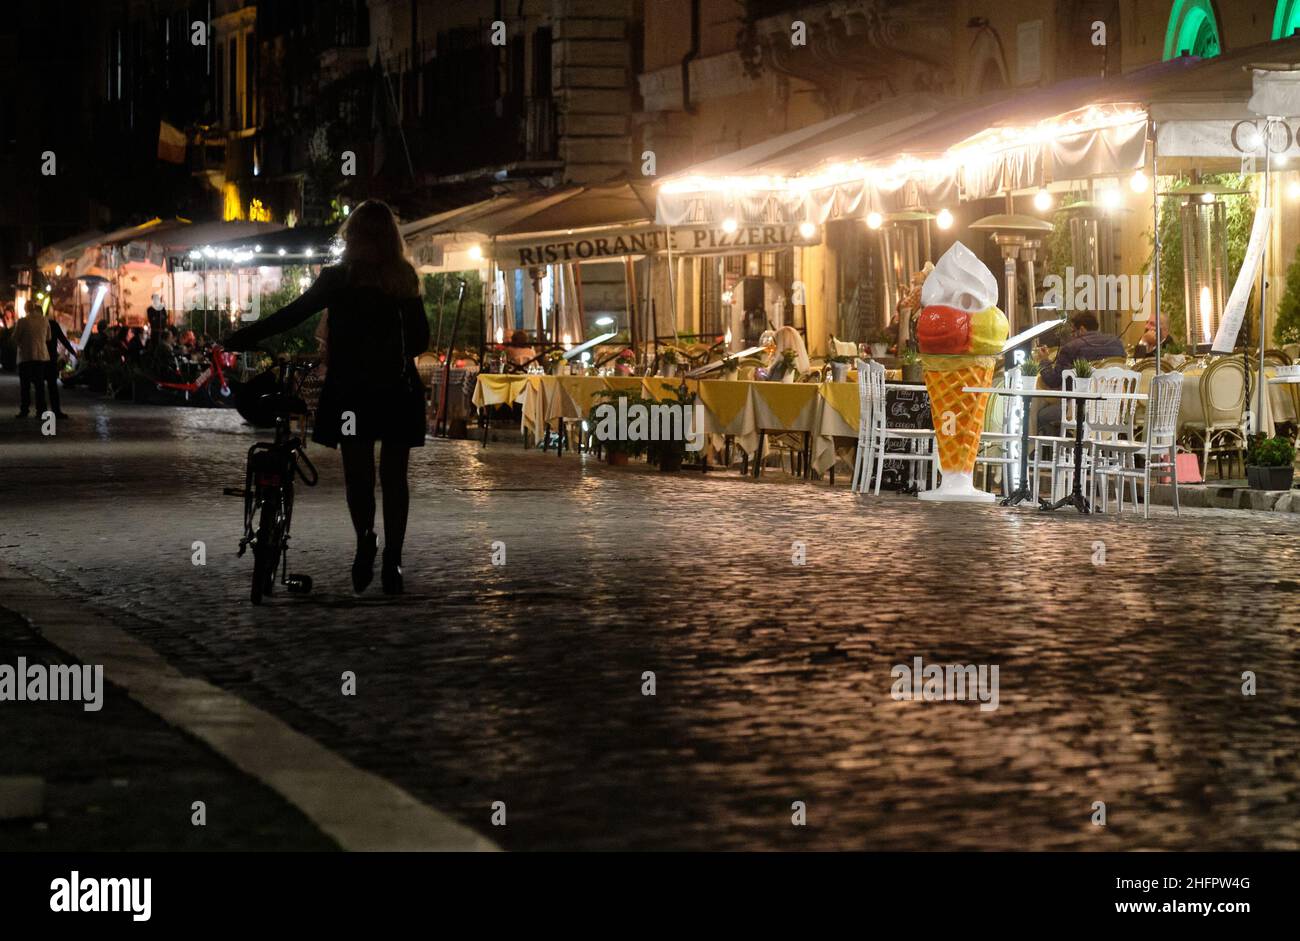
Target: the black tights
pixel 359 482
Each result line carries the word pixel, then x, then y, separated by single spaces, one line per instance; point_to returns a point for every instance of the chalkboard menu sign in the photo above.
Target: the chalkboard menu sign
pixel 905 409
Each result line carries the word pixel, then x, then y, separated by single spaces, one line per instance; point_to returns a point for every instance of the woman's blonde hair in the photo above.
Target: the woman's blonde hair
pixel 374 253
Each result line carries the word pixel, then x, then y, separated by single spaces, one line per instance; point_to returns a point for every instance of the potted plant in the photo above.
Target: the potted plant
pixel 787 364
pixel 669 453
pixel 879 344
pixel 839 368
pixel 555 363
pixel 607 435
pixel 1082 375
pixel 911 361
pixel 1270 464
pixel 668 363
pixel 1028 378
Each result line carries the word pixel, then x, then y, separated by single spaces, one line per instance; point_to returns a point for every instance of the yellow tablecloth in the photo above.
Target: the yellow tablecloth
pixel 1278 404
pixel 495 389
pixel 548 399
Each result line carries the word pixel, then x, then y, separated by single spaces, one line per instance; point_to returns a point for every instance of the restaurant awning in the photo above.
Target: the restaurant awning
pixel 68 249
pixel 498 228
pixel 1012 140
pixel 270 247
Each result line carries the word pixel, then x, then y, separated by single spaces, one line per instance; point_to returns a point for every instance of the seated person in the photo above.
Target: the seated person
pixel 1146 346
pixel 788 338
pixel 518 353
pixel 1085 342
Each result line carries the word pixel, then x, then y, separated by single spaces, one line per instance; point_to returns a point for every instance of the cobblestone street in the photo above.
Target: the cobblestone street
pixel 1120 644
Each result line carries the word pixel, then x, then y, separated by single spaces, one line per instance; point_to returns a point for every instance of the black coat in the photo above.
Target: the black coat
pixel 371 390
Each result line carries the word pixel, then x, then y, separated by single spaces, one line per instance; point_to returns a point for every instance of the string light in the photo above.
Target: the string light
pixel 875 220
pixel 728 224
pixel 1139 182
pixel 944 219
pixel 1293 189
pixel 807 230
pixel 1043 200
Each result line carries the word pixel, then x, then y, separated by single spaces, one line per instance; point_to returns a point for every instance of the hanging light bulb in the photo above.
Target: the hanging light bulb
pixel 875 220
pixel 1207 198
pixel 728 224
pixel 944 219
pixel 807 230
pixel 1110 198
pixel 1293 189
pixel 1139 182
pixel 476 252
pixel 1043 200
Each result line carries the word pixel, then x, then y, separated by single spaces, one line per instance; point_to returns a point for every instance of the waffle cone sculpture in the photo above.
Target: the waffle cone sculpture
pixel 960 332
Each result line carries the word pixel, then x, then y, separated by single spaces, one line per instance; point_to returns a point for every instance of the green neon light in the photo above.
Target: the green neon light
pixel 1287 18
pixel 1193 28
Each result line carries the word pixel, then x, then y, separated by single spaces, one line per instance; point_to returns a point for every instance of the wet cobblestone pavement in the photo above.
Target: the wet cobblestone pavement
pixel 1119 682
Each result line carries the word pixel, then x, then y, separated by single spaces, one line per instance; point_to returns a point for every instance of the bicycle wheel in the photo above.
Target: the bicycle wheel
pixel 267 546
pixel 216 398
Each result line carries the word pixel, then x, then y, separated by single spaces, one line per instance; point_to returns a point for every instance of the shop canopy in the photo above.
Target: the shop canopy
pixel 515 229
pixel 68 250
pixel 1005 141
pixel 270 246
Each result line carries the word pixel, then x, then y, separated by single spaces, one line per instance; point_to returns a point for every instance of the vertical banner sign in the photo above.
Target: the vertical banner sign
pixel 1235 311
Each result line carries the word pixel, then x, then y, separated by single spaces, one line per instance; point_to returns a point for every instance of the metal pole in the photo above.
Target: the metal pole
pixel 439 423
pixel 672 287
pixel 1155 213
pixel 1263 282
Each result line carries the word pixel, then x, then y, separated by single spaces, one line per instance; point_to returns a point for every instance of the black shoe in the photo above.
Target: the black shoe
pixel 363 566
pixel 391 577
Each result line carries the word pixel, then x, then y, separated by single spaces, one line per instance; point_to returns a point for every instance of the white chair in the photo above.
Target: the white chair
pixel 1111 419
pixel 1053 443
pixel 1159 445
pixel 1000 411
pixel 1105 420
pixel 862 457
pixel 920 441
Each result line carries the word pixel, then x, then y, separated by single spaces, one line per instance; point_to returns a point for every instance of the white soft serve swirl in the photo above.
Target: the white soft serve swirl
pixel 960 280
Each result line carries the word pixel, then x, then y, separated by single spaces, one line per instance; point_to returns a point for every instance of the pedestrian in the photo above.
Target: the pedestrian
pixel 56 337
pixel 31 335
pixel 156 316
pixel 372 392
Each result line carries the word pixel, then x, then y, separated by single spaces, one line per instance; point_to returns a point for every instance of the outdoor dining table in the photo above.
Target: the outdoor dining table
pixel 1076 496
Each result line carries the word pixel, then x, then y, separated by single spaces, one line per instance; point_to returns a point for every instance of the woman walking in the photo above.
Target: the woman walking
pixel 372 391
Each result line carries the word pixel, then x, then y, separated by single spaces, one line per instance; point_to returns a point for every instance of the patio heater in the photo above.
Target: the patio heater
pixel 1019 237
pixel 905 246
pixel 1203 221
pixel 1093 252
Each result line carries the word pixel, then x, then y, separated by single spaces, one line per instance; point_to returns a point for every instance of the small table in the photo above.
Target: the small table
pixel 1076 497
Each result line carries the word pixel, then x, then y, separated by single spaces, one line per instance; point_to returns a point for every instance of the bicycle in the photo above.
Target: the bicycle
pixel 268 487
pixel 211 381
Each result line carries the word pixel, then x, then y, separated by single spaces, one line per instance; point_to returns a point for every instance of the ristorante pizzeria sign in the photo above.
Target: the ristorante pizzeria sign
pixel 622 243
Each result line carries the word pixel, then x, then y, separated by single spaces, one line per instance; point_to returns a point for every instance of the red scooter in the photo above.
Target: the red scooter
pixel 211 383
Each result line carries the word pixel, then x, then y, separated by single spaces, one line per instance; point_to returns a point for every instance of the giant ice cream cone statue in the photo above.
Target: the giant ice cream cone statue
pixel 960 334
